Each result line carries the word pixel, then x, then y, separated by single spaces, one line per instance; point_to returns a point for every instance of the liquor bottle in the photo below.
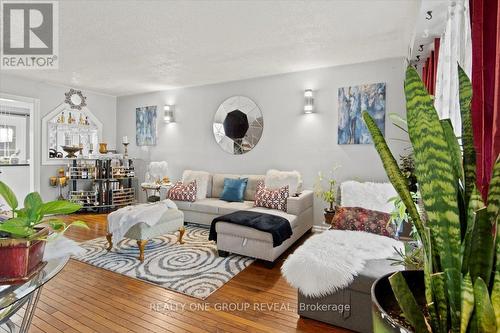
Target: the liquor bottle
pixel 70 119
pixel 85 172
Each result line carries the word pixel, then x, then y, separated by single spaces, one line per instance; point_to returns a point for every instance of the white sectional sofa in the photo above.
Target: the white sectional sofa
pixel 241 239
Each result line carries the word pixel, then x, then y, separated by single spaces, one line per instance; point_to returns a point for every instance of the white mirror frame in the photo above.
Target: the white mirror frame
pixel 45 149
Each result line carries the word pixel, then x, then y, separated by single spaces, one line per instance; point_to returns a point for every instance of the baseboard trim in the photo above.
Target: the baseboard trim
pixel 320 228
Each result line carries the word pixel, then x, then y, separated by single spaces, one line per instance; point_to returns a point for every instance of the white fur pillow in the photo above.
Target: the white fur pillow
pixel 276 179
pixel 367 195
pixel 201 177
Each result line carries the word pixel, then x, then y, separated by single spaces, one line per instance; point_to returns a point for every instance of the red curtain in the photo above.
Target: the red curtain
pixel 429 70
pixel 485 24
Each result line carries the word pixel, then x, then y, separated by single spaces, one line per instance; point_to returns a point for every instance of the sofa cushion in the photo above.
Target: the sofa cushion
pixel 202 181
pixel 231 207
pixel 183 192
pixel 271 198
pixel 234 189
pixel 276 179
pixel 183 205
pixel 253 180
pixel 208 205
pixel 218 183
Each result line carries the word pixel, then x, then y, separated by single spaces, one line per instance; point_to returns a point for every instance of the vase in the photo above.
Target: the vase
pixel 329 215
pixel 103 148
pixel 21 258
pixel 386 313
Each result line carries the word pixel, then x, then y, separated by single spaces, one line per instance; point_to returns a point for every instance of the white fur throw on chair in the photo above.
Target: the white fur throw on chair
pixel 329 261
pixel 367 195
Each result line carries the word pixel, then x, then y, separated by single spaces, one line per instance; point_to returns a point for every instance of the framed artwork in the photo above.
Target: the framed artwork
pixel 145 125
pixel 352 102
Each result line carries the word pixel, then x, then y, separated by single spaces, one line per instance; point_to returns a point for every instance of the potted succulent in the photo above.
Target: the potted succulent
pixel 24 233
pixel 459 287
pixel 324 188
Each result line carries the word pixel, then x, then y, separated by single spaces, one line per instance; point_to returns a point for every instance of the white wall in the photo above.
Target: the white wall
pixel 50 96
pixel 291 140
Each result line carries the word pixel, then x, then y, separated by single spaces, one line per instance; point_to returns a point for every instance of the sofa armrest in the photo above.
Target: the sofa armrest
pixel 296 205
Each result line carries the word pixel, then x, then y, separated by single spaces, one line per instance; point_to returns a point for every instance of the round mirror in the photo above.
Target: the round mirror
pixel 75 99
pixel 238 125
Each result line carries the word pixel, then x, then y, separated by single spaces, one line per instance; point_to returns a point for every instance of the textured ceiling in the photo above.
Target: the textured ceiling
pixel 126 47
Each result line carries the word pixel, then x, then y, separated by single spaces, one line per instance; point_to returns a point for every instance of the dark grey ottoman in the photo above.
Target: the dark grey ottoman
pixel 351 307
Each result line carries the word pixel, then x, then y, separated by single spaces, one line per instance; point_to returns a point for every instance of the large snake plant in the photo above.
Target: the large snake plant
pixel 458 229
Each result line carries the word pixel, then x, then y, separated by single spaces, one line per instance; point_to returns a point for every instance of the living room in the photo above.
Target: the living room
pixel 183 176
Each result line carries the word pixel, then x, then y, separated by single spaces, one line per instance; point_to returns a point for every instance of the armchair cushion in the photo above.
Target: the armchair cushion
pixel 361 219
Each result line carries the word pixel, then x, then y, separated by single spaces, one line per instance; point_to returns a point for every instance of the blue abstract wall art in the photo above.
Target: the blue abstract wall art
pixel 352 102
pixel 145 126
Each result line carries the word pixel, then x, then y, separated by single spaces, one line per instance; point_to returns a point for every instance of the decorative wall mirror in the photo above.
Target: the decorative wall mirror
pixel 238 125
pixel 68 133
pixel 75 99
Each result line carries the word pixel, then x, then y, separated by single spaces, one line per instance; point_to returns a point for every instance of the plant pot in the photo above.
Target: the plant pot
pixel 386 312
pixel 21 258
pixel 329 215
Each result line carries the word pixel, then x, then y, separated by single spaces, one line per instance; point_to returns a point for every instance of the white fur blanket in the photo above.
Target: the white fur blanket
pixel 329 261
pixel 123 219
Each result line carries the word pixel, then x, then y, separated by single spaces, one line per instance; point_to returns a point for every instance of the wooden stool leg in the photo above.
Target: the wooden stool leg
pixel 109 238
pixel 142 245
pixel 182 230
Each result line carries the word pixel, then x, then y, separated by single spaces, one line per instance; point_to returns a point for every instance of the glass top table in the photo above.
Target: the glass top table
pixel 14 297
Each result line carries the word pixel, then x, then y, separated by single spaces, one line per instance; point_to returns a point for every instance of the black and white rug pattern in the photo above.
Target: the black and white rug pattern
pixel 193 268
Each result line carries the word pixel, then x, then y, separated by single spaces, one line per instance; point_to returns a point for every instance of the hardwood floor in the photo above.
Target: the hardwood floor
pixel 83 298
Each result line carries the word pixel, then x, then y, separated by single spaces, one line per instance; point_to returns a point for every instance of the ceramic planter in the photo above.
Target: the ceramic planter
pixel 385 309
pixel 329 215
pixel 21 258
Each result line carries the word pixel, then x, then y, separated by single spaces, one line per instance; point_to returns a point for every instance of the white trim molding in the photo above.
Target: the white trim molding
pixel 45 149
pixel 33 104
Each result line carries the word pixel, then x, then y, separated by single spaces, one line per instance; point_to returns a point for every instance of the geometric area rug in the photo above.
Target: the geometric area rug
pixel 193 268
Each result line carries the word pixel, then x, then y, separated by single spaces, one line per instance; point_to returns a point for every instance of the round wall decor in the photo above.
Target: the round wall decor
pixel 238 125
pixel 75 99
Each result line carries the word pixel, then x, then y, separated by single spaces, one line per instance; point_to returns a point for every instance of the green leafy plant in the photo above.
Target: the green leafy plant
pixel 324 188
pixel 400 216
pixel 457 228
pixel 412 256
pixel 24 221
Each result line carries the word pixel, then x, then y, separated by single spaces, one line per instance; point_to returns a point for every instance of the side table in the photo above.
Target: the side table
pixel 155 189
pixel 14 297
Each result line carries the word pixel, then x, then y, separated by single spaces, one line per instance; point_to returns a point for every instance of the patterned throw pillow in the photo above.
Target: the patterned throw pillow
pixel 267 198
pixel 361 219
pixel 183 192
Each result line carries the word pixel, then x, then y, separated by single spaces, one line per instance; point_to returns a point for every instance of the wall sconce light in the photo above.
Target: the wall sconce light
pixel 168 116
pixel 308 101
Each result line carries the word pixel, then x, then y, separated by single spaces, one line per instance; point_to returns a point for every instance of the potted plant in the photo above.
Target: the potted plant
pixel 23 236
pixel 324 188
pixel 460 283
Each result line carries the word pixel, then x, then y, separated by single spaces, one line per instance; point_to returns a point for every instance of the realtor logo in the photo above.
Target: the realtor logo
pixel 30 35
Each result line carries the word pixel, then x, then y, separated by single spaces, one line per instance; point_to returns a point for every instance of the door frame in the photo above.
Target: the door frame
pixel 33 104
